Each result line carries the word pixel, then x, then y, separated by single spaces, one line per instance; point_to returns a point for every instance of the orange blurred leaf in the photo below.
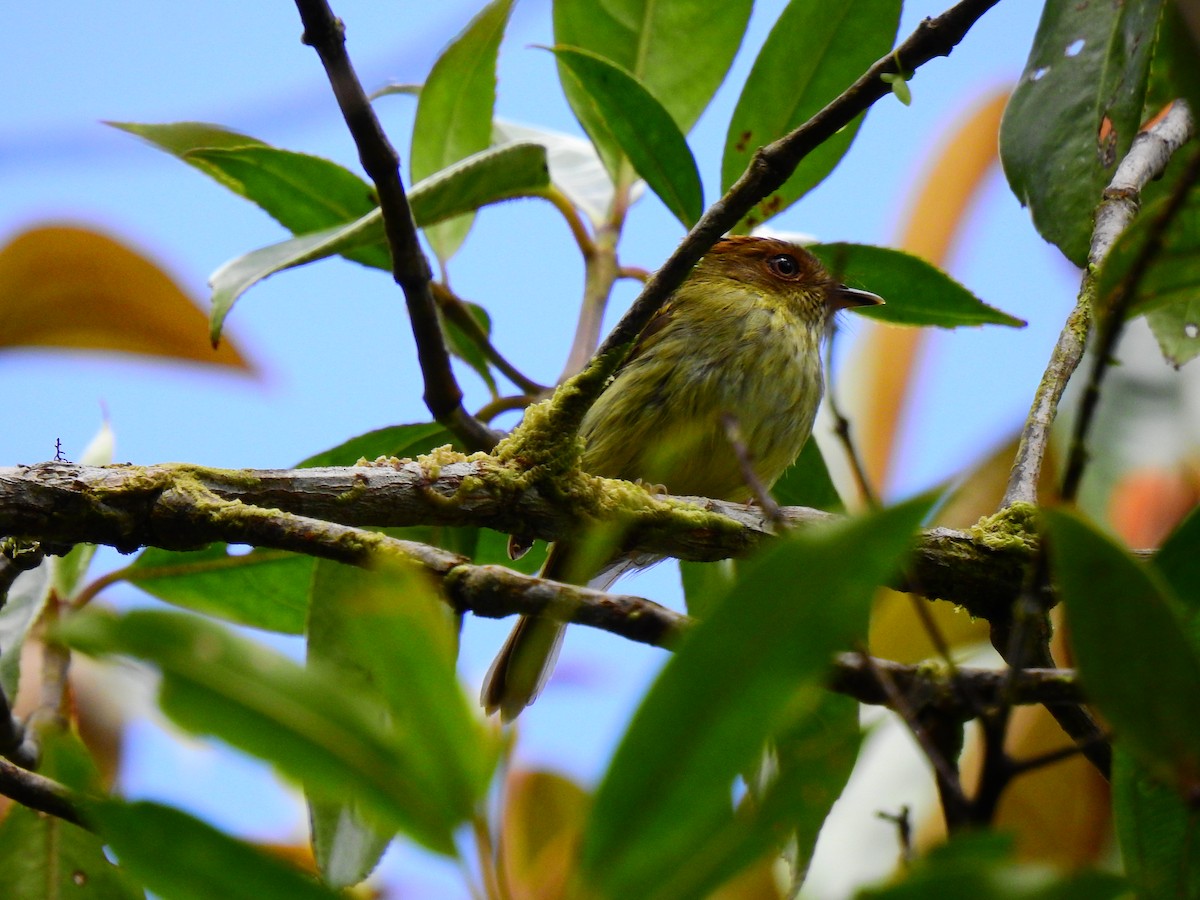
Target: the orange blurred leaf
pixel 542 823
pixel 886 359
pixel 67 286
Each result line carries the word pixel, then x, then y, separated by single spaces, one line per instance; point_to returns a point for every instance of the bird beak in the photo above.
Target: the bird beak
pixel 842 297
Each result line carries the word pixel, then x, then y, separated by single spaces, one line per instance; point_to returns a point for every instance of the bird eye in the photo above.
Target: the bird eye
pixel 784 265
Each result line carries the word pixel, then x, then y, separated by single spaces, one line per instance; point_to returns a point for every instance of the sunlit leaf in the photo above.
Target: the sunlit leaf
pixel 181 138
pixel 1135 659
pixel 70 287
pixel 311 725
pixel 26 600
pixel 814 52
pixel 642 129
pixel 575 167
pixel 643 37
pixel 916 292
pixel 1075 112
pixel 751 669
pixel 181 858
pixel 454 110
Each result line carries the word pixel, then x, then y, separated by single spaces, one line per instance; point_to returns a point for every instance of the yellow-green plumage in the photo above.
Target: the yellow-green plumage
pixel 741 340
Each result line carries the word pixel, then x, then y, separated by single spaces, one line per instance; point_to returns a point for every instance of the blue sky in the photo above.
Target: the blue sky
pixel 332 339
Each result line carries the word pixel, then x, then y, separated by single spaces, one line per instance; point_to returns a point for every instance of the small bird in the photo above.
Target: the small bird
pixel 740 340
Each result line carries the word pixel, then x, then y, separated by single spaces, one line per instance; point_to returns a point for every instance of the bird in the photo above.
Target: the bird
pixel 739 341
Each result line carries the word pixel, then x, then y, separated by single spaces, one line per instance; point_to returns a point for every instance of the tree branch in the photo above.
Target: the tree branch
pixel 1112 323
pixel 1147 157
pixel 776 162
pixel 40 793
pixel 325 33
pixel 170 506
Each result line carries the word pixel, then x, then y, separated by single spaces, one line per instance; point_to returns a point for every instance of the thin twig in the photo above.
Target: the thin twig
pixel 325 33
pixel 1112 324
pixel 733 434
pixel 954 801
pixel 1147 157
pixel 903 822
pixel 455 309
pixel 841 428
pixel 587 247
pixel 600 274
pixel 40 793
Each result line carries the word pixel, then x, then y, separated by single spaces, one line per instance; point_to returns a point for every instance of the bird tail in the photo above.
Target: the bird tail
pixel 526 661
pixel 522 667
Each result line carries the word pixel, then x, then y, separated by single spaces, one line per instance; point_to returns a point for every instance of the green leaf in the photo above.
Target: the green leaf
pixel 814 52
pixel 807 483
pixel 1179 564
pixel 1075 112
pixel 181 858
pixel 27 598
pixel 346 845
pixel 1168 291
pixel 454 110
pixel 1173 273
pixel 746 673
pixel 303 193
pixel 465 347
pixel 643 37
pixel 1135 659
pixel 642 128
pixel 181 138
pixel 264 588
pixel 311 725
pixel 917 293
pixel 1177 329
pixel 395 639
pixel 804 773
pixel 978 866
pixel 1157 832
pixel 488 177
pixel 400 441
pixel 238 275
pixel 42 856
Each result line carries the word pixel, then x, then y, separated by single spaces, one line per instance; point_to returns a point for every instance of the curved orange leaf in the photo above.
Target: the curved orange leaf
pixel 71 287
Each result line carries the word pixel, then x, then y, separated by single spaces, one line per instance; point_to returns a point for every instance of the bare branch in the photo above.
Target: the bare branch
pixel 325 33
pixel 1146 159
pixel 1109 329
pixel 40 793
